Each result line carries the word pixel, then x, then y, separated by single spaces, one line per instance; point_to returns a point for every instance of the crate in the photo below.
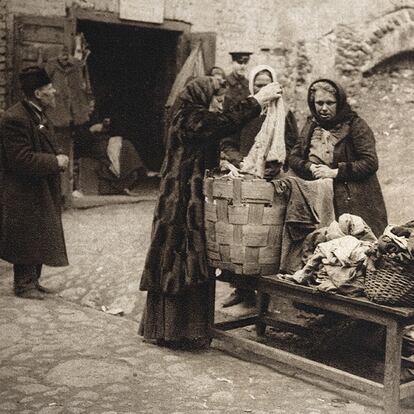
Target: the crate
pixel 244 222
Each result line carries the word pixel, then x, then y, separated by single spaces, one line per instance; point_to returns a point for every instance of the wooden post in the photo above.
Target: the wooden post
pixel 211 299
pixel 263 300
pixel 392 368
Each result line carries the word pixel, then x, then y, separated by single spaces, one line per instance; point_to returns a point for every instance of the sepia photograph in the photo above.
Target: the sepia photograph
pixel 206 206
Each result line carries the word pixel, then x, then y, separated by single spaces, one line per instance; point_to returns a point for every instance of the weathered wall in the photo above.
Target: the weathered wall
pixel 243 24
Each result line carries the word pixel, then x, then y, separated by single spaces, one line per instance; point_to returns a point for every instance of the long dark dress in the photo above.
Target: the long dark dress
pixel 356 188
pixel 176 273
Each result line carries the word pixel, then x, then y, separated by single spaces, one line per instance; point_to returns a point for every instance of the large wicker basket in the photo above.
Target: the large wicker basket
pixel 244 222
pixel 390 283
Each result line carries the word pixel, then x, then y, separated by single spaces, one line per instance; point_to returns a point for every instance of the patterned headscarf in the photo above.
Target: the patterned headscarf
pixel 344 112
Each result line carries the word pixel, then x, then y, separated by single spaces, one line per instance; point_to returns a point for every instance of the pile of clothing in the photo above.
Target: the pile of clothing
pixel 335 256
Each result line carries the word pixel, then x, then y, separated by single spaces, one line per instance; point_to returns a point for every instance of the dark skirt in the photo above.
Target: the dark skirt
pixel 132 168
pixel 177 317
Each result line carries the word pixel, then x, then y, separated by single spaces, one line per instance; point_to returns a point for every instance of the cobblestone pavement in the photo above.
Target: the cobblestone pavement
pixel 57 356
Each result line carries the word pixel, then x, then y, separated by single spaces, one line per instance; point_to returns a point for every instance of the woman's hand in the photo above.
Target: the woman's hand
pixel 270 92
pixel 96 128
pixel 323 171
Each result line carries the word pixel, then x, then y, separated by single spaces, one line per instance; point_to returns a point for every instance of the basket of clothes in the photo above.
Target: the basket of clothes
pixel 244 221
pixel 389 278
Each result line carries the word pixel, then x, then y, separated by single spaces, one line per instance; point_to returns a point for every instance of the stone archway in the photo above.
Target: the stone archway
pixel 358 49
pixel 388 36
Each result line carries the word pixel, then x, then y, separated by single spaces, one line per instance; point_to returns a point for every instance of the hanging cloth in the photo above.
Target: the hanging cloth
pixel 269 144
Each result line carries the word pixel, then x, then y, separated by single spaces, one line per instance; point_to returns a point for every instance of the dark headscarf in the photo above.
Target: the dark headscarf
pixel 200 91
pixel 344 112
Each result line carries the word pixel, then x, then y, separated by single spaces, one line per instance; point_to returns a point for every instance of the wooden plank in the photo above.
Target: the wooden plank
pixel 323 301
pixel 268 255
pixel 225 253
pixel 392 368
pixel 238 214
pixel 255 236
pixel 210 212
pixel 393 310
pixel 223 188
pixel 236 323
pixel 256 213
pixel 251 269
pixel 237 234
pixel 407 390
pixel 109 17
pixel 287 326
pixel 211 230
pixel 42 34
pixel 237 254
pixel 257 191
pixel 222 212
pixel 252 254
pixel 292 360
pixel 237 189
pixel 208 189
pixel 224 233
pixel 263 300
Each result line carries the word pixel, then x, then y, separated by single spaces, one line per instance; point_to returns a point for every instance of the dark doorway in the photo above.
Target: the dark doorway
pixel 132 70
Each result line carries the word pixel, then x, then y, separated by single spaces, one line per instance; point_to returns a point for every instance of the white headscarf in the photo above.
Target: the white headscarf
pixel 257 69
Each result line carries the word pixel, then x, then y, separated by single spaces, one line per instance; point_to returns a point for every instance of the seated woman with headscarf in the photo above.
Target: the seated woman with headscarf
pixel 120 165
pixel 176 275
pixel 234 152
pixel 336 143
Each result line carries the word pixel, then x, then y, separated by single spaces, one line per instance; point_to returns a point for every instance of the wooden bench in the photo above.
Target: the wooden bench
pixel 395 319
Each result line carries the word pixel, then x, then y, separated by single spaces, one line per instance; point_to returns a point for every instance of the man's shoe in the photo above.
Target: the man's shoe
pixel 233 299
pixel 30 294
pixel 43 289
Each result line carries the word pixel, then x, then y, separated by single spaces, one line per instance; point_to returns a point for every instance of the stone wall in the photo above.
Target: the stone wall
pixel 302 39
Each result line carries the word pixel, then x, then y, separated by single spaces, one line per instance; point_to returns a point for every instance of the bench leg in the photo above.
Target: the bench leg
pixel 212 299
pixel 392 369
pixel 263 300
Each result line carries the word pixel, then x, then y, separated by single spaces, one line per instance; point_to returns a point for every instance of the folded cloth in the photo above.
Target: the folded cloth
pixel 269 144
pixel 336 265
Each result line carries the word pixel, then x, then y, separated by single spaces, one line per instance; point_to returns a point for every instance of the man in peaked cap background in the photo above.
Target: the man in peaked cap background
pixel 31 232
pixel 237 90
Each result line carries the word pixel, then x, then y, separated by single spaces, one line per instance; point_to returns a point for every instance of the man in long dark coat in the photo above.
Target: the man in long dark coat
pixel 31 232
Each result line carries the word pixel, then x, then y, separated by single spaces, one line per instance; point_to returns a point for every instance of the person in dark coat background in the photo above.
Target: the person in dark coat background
pixel 176 275
pixel 31 232
pixel 336 143
pixel 237 90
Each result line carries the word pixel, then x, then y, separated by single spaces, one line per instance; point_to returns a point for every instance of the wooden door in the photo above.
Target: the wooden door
pixel 196 54
pixel 36 39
